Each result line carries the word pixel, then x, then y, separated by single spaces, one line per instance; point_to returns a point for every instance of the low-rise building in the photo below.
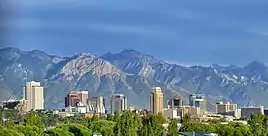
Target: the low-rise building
pixel 225 108
pixel 81 108
pixel 170 113
pixel 20 105
pixel 246 112
pixel 188 110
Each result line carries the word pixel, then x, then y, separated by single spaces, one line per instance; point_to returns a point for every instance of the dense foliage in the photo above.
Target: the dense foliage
pixel 127 124
pixel 47 124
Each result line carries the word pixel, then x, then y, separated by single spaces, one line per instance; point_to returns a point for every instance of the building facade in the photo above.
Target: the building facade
pixel 156 100
pixel 182 111
pixel 34 96
pixel 170 113
pixel 246 112
pixel 175 102
pixel 225 108
pixel 19 105
pixel 198 101
pixel 97 104
pixel 118 103
pixel 74 97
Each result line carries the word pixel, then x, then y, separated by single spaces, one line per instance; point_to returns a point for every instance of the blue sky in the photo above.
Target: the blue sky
pixel 179 31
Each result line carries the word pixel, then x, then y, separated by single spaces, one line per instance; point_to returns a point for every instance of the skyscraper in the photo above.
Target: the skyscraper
pixel 74 97
pixel 34 95
pixel 118 103
pixel 175 102
pixel 97 104
pixel 198 101
pixel 156 101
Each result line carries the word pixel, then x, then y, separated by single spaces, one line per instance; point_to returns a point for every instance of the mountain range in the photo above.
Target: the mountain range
pixel 131 73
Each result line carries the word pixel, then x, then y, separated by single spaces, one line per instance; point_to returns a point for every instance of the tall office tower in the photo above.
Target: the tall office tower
pixel 34 95
pixel 74 97
pixel 175 102
pixel 156 101
pixel 118 103
pixel 198 100
pixel 96 104
pixel 225 108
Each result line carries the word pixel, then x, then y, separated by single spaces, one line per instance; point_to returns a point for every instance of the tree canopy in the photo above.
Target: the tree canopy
pixel 127 124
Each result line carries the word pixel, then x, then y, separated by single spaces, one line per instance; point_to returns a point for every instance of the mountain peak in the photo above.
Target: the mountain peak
pixel 85 54
pixel 10 50
pixel 10 53
pixel 130 53
pixel 255 65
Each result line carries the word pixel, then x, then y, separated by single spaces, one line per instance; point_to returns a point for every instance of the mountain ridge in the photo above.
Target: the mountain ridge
pixel 131 73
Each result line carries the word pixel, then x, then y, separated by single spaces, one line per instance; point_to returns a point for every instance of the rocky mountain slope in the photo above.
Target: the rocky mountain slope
pixel 131 73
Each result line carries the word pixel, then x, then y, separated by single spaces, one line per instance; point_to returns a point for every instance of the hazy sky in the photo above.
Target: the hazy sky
pixel 181 31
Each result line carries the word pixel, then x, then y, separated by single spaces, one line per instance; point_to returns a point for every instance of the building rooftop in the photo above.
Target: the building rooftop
pixel 157 89
pixel 176 97
pixel 121 95
pixel 11 100
pixel 252 107
pixel 83 92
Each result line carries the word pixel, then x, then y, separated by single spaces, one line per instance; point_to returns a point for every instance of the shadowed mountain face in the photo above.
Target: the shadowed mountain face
pixel 131 73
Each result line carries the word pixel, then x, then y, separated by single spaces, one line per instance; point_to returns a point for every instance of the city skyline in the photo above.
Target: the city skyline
pixel 138 68
pixel 79 102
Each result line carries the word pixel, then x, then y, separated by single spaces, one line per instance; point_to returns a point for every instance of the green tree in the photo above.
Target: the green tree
pixel 89 121
pixel 109 117
pixel 117 127
pixel 127 125
pixel 1 115
pixel 68 130
pixel 240 129
pixel 10 124
pixel 256 124
pixel 225 130
pixel 265 126
pixel 145 129
pixel 186 118
pixel 9 132
pixel 137 123
pixel 32 119
pixel 49 119
pixel 173 128
pixel 154 124
pixel 57 132
pixel 104 127
pixel 157 124
pixel 28 130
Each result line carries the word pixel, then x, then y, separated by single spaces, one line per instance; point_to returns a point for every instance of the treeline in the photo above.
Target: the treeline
pixel 128 124
pixel 36 124
pixel 256 126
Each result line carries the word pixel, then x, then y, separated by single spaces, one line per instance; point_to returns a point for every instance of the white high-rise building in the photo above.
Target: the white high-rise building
pixel 118 103
pixel 97 104
pixel 34 95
